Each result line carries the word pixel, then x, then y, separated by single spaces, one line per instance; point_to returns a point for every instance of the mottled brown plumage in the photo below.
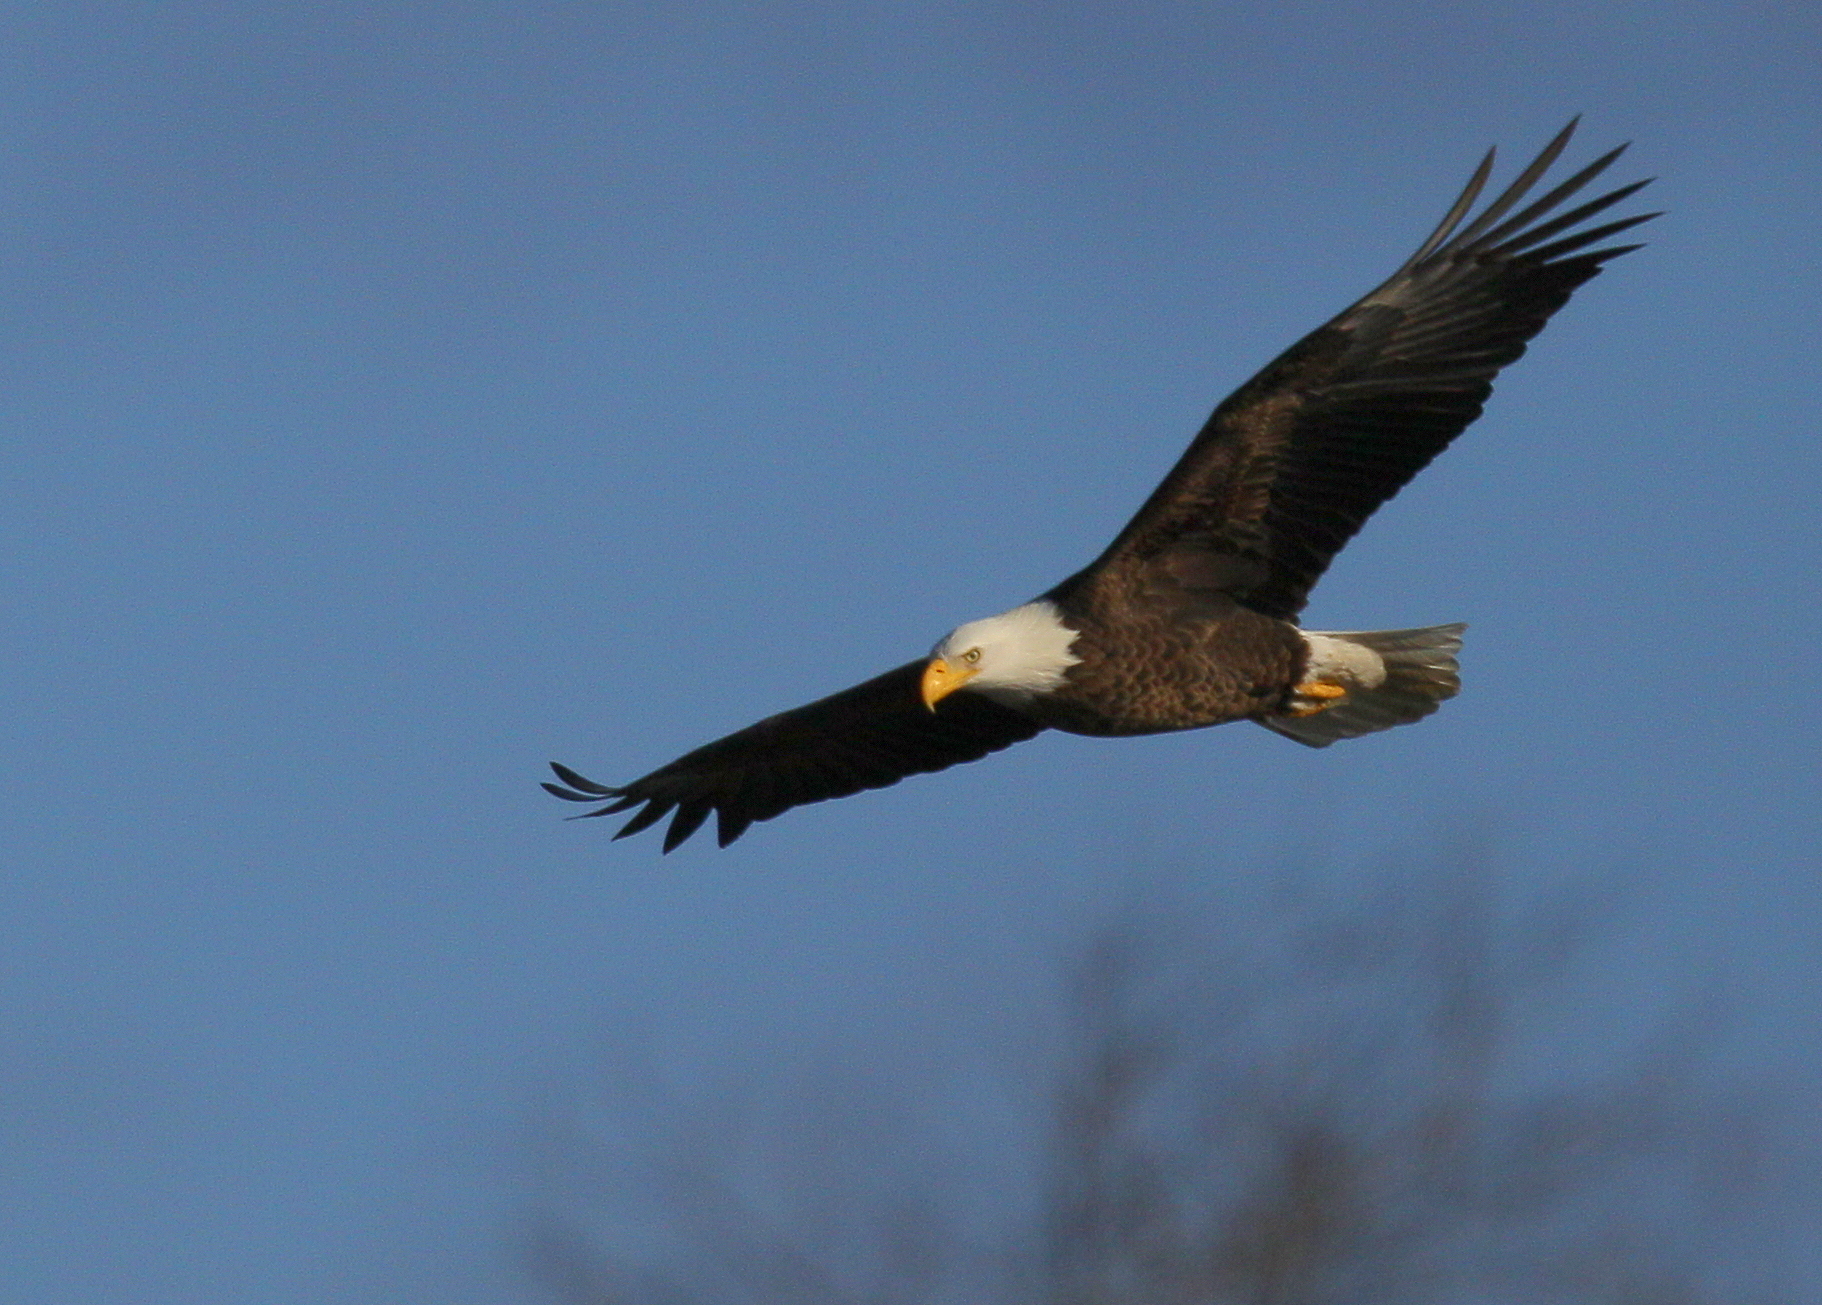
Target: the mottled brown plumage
pixel 1188 618
pixel 1155 658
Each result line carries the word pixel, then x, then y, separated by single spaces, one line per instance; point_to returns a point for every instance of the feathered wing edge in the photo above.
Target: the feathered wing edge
pixel 1419 355
pixel 1481 235
pixel 1423 351
pixel 868 736
pixel 1291 465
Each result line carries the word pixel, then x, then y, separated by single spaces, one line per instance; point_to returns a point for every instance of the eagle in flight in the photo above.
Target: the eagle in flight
pixel 1189 617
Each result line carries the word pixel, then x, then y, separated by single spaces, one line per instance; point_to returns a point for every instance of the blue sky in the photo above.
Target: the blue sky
pixel 399 397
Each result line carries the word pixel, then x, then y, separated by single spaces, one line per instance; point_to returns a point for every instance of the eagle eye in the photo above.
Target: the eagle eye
pixel 972 656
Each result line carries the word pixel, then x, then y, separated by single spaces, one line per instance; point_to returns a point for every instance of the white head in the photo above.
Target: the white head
pixel 1011 657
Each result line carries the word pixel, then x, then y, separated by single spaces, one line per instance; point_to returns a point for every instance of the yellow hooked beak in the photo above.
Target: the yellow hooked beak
pixel 942 678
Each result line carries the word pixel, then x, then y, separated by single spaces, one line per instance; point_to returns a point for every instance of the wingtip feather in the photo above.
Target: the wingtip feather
pixel 581 783
pixel 558 791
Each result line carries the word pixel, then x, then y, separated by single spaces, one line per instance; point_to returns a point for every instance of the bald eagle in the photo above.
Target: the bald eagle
pixel 1189 617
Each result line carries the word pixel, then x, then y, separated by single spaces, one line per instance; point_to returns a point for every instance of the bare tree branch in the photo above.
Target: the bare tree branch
pixel 1339 1114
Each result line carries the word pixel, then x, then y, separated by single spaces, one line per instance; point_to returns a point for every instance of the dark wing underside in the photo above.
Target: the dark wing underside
pixel 869 736
pixel 1290 467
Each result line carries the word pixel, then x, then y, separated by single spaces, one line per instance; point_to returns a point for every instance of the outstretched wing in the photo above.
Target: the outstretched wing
pixel 1295 461
pixel 869 736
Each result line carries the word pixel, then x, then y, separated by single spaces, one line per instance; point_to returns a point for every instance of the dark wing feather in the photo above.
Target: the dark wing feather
pixel 869 736
pixel 1291 466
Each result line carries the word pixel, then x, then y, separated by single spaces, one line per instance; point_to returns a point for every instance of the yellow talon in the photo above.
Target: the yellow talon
pixel 1316 695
